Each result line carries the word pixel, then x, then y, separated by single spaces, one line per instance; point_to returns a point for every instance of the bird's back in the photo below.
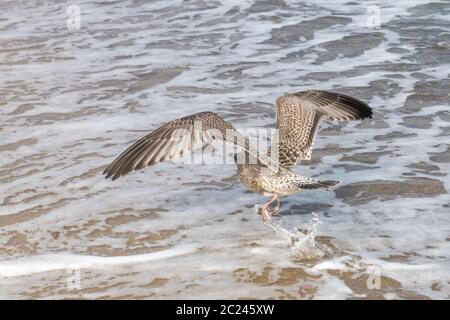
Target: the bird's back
pixel 284 182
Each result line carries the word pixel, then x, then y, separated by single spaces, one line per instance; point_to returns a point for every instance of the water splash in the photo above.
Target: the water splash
pixel 302 243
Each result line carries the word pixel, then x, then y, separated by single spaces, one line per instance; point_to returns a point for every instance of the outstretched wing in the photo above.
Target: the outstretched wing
pixel 299 115
pixel 173 139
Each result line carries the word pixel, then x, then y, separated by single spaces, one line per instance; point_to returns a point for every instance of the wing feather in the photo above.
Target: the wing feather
pixel 299 115
pixel 172 140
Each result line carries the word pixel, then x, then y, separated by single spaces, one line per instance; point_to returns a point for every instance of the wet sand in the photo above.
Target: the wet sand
pixel 71 100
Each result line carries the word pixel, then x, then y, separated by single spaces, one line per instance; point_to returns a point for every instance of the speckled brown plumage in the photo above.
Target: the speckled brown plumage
pixel 299 115
pixel 298 118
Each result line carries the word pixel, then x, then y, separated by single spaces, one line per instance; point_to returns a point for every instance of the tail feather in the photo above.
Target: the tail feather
pixel 319 184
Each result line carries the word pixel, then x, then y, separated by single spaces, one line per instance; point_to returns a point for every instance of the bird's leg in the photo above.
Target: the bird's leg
pixel 274 210
pixel 265 214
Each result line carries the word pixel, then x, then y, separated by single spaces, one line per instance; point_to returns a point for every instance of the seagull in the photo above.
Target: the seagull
pixel 298 118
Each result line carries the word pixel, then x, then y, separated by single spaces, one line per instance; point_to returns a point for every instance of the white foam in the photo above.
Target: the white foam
pixel 52 262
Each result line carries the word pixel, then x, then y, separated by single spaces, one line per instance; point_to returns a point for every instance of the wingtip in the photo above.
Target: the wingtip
pixel 107 173
pixel 116 176
pixel 365 111
pixel 107 170
pixel 112 177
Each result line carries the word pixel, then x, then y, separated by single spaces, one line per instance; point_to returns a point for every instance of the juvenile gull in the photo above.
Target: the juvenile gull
pixel 298 118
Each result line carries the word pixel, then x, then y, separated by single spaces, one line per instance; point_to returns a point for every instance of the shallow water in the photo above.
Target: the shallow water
pixel 71 100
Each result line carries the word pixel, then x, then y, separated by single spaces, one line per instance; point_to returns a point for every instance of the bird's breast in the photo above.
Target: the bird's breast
pixel 252 183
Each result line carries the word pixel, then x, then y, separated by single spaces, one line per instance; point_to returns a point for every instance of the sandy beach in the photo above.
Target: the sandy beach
pixel 76 93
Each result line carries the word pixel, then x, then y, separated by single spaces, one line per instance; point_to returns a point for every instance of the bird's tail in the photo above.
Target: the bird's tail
pixel 319 184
